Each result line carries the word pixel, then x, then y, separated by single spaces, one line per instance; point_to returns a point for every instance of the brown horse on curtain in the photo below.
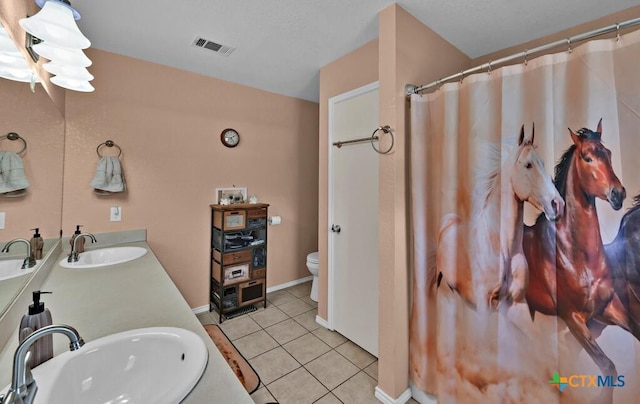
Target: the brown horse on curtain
pixel 623 255
pixel 569 276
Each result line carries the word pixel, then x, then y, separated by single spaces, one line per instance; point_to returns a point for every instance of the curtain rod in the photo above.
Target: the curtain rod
pixel 412 89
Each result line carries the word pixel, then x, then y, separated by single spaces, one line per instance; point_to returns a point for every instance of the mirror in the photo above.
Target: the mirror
pixel 37 120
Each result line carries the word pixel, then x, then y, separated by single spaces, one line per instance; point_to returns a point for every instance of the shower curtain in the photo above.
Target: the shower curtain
pixel 474 335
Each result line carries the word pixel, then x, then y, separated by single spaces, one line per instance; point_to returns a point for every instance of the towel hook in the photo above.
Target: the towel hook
pixel 15 136
pixel 108 143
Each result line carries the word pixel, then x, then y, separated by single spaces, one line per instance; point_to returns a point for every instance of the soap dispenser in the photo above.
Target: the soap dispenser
pixel 80 243
pixel 38 317
pixel 36 245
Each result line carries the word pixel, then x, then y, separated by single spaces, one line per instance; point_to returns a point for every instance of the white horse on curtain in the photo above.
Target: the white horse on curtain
pixel 482 259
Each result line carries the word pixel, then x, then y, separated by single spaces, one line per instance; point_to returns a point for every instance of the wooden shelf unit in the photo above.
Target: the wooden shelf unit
pixel 238 261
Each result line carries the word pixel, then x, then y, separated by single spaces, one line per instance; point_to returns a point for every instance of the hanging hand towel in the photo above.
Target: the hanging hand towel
pixel 109 177
pixel 13 181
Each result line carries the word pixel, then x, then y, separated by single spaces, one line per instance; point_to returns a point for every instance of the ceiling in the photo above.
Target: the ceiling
pixel 282 44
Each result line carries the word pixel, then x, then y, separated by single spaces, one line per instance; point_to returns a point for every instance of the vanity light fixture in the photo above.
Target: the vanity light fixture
pixel 69 72
pixel 67 56
pixel 30 42
pixel 55 24
pixel 71 84
pixel 12 63
pixel 13 59
pixel 76 14
pixel 11 73
pixel 54 34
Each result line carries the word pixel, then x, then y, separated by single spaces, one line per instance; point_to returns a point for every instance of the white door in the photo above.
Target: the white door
pixel 353 218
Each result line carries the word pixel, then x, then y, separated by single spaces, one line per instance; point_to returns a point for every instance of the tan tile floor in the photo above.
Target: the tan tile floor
pixel 298 360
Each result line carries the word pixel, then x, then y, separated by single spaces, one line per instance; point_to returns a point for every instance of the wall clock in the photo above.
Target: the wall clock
pixel 230 137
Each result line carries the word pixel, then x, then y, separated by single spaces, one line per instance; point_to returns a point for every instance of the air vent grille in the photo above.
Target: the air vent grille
pixel 213 46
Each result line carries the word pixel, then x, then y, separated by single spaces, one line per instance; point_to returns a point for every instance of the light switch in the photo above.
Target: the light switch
pixel 116 214
pixel 1 220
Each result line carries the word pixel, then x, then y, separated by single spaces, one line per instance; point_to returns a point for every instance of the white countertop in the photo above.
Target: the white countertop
pixel 135 294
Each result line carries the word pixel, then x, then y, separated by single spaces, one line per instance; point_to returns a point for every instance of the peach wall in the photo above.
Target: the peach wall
pixel 351 71
pixel 394 61
pixel 35 118
pixel 409 53
pixel 168 124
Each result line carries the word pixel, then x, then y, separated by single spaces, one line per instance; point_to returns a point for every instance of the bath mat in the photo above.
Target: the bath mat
pixel 240 366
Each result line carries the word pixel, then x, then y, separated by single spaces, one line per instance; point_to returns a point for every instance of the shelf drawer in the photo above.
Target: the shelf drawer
pixel 237 256
pixel 234 220
pixel 259 257
pixel 251 292
pixel 232 257
pixel 229 299
pixel 230 274
pixel 256 222
pixel 216 255
pixel 217 219
pixel 258 273
pixel 257 213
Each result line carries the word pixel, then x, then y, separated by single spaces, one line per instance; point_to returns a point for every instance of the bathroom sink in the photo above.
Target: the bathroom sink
pixel 103 257
pixel 13 268
pixel 147 365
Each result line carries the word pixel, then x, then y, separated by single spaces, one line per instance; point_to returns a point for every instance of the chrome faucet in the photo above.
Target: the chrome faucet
pixel 23 386
pixel 28 262
pixel 73 256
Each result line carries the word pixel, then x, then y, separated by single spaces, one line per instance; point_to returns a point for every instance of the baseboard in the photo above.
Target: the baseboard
pixel 322 322
pixel 420 396
pixel 289 284
pixel 387 399
pixel 202 309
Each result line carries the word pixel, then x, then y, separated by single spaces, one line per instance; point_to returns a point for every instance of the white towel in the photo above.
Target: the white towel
pixel 109 177
pixel 12 177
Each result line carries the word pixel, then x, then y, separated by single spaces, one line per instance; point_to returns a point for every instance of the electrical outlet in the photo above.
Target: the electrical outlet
pixel 116 214
pixel 1 220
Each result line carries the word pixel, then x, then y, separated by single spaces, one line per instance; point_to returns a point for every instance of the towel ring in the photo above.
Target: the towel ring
pixel 385 129
pixel 15 136
pixel 108 143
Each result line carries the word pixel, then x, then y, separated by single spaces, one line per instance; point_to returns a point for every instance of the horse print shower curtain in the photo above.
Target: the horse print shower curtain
pixel 526 231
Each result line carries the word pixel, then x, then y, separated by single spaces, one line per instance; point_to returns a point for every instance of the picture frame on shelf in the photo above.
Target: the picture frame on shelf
pixel 230 196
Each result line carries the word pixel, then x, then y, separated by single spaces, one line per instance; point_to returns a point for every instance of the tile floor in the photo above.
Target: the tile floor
pixel 298 360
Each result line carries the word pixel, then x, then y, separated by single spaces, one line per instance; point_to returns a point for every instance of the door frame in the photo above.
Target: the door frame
pixel 330 253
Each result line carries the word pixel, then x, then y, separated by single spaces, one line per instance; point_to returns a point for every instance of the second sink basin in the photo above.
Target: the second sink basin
pixel 105 256
pixel 13 268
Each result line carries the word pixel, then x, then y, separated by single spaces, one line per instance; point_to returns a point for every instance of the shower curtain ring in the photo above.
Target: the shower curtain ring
pixel 489 69
pixel 617 32
pixel 569 50
pixel 461 76
pixel 526 61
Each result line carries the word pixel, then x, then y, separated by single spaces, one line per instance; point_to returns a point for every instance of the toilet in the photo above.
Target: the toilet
pixel 312 264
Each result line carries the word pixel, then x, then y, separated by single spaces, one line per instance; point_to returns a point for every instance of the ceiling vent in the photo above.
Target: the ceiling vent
pixel 212 46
